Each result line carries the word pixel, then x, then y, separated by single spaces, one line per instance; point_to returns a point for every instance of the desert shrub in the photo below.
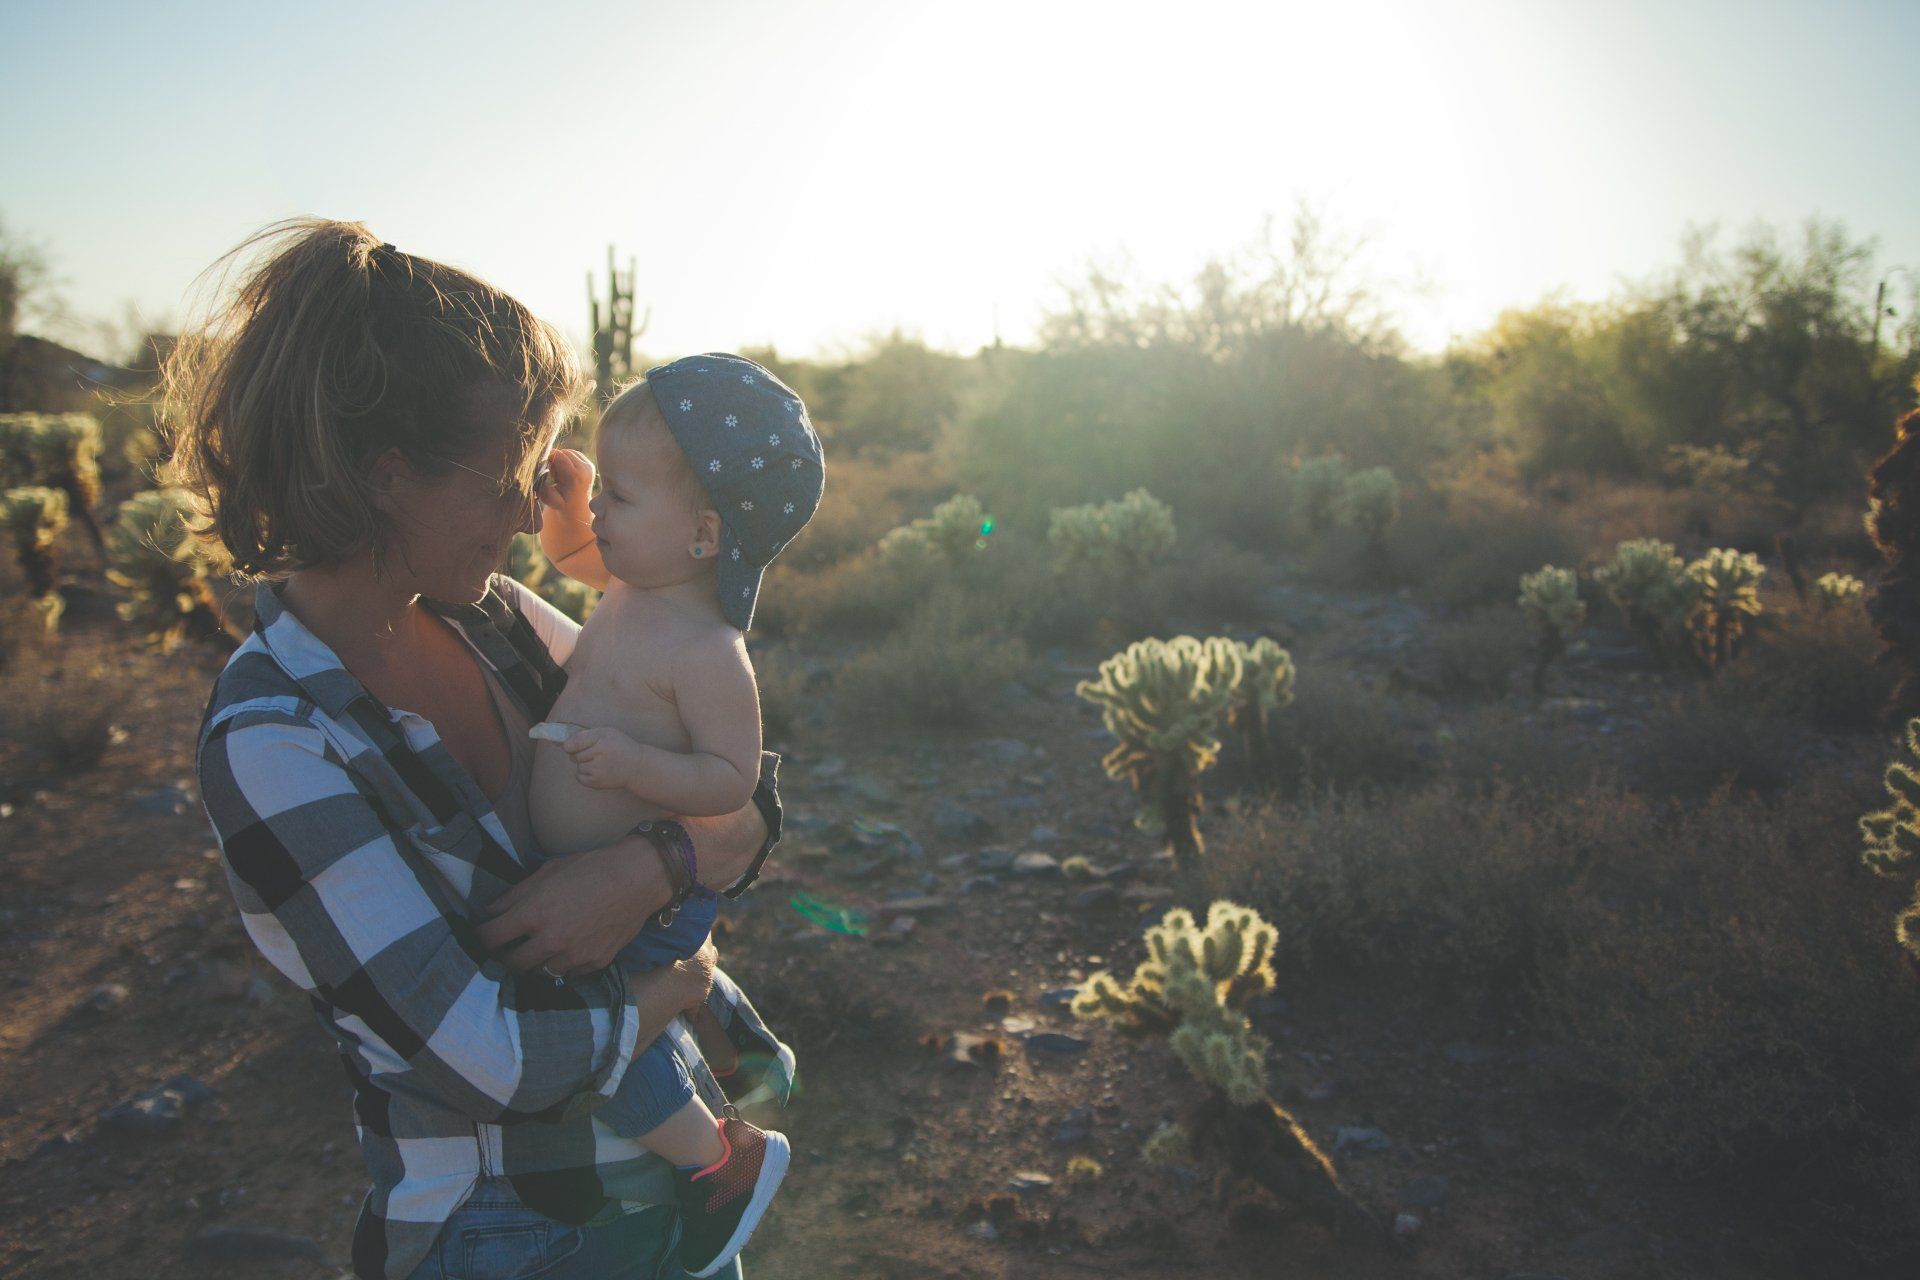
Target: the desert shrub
pixel 1445 880
pixel 869 594
pixel 61 704
pixel 167 575
pixel 786 690
pixel 1730 983
pixel 1474 554
pixel 1813 665
pixel 1470 656
pixel 1343 731
pixel 945 667
pixel 1698 739
pixel 1527 749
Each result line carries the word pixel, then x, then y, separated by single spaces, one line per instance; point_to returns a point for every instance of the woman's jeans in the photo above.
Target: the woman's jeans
pixel 495 1237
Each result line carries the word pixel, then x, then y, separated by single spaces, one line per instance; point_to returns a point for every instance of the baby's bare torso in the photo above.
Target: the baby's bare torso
pixel 616 679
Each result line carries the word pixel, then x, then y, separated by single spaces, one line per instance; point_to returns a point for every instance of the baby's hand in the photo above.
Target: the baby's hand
pixel 605 758
pixel 572 486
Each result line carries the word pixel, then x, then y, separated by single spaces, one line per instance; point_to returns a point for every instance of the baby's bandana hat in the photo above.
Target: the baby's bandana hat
pixel 748 438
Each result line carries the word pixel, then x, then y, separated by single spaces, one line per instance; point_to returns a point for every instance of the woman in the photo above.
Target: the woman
pixel 363 433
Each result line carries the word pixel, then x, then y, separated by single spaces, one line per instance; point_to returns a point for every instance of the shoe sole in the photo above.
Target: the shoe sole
pixel 773 1168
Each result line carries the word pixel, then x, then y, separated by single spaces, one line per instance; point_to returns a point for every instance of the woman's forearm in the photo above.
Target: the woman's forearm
pixel 726 844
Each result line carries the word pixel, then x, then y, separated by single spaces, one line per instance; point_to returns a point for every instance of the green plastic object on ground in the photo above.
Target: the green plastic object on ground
pixel 828 916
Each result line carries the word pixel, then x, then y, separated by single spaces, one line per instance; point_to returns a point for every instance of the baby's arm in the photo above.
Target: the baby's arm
pixel 720 706
pixel 566 521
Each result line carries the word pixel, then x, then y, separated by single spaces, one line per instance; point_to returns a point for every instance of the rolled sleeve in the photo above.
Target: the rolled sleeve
pixel 350 912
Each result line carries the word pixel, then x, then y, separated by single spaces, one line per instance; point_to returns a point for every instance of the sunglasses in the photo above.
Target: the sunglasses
pixel 541 476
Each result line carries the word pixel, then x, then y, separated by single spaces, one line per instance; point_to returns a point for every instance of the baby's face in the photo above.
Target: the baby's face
pixel 645 527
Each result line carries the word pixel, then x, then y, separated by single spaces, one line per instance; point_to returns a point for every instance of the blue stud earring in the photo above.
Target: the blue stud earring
pixel 696 551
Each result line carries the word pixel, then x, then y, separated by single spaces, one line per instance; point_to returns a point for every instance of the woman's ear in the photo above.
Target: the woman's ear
pixel 385 477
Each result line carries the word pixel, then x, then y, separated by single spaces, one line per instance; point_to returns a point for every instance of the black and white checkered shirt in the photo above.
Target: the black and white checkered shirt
pixel 359 852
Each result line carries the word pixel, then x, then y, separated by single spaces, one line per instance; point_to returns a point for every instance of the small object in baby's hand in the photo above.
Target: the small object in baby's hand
pixel 555 730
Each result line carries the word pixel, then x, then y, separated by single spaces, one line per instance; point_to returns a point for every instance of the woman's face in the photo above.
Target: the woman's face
pixel 452 532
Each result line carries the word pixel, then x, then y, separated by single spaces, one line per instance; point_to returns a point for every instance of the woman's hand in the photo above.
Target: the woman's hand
pixel 573 913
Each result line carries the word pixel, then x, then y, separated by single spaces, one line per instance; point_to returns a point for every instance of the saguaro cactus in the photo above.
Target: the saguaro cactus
pixel 1193 988
pixel 612 325
pixel 1551 600
pixel 1125 536
pixel 34 515
pixel 167 575
pixel 1163 700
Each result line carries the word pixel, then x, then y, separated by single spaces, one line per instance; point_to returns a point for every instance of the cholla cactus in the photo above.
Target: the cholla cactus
pixel 1170 1144
pixel 34 515
pixel 60 451
pixel 529 564
pixel 1163 700
pixel 1647 582
pixel 957 528
pixel 1726 599
pixel 1551 600
pixel 1893 834
pixel 1265 685
pixel 1111 538
pixel 1193 988
pixel 1837 588
pixel 1370 502
pixel 1317 489
pixel 168 576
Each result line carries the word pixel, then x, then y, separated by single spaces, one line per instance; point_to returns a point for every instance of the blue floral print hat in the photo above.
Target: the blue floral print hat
pixel 747 437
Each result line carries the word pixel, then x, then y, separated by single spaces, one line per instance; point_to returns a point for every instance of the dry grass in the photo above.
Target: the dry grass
pixel 60 702
pixel 1727 970
pixel 945 668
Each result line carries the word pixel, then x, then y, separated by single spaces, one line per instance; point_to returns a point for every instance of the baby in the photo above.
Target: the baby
pixel 708 468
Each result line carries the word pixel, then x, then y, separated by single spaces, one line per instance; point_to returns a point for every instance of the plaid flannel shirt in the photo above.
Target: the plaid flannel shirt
pixel 359 852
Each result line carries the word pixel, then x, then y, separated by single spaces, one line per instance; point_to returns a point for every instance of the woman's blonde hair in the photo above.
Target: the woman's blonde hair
pixel 335 348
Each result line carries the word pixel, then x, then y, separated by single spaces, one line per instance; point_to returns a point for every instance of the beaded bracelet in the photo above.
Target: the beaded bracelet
pixel 678 857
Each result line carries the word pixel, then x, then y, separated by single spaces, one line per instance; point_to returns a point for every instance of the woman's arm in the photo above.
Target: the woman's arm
pixel 340 903
pixel 574 912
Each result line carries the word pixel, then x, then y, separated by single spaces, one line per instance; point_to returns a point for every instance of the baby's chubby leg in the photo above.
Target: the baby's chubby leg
pixel 690 1137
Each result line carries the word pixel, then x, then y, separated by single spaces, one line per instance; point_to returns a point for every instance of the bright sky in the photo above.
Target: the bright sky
pixel 808 173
